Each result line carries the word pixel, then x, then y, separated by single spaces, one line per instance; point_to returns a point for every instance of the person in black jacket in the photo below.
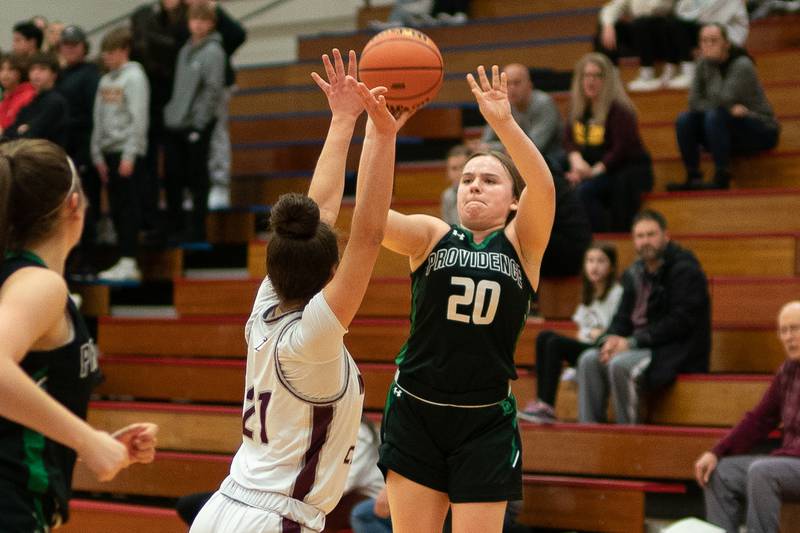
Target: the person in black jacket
pixel 572 233
pixel 159 30
pixel 78 85
pixel 46 117
pixel 662 327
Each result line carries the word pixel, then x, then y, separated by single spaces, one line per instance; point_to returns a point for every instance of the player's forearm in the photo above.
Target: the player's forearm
pixel 327 183
pixel 527 158
pixel 25 403
pixel 374 185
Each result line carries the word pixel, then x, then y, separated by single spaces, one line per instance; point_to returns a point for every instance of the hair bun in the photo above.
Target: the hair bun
pixel 295 216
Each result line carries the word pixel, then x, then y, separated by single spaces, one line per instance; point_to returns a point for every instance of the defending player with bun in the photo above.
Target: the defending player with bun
pixel 304 393
pixel 48 361
pixel 450 435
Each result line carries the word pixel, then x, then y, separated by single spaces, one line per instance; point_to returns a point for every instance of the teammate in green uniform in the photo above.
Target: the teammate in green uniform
pixel 48 362
pixel 449 429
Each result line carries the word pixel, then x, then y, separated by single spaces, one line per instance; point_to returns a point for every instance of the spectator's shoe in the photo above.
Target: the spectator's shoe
pixel 668 73
pixel 695 184
pixel 125 270
pixel 646 81
pixel 722 181
pixel 683 80
pixel 219 197
pixel 537 412
pixel 454 20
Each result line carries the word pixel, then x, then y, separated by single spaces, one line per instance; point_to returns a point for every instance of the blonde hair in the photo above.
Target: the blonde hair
pixel 611 92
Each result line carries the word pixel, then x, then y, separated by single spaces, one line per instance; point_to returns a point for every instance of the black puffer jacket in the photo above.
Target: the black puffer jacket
pixel 678 329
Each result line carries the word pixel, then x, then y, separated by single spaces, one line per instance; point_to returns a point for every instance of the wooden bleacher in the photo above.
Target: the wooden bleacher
pixel 186 373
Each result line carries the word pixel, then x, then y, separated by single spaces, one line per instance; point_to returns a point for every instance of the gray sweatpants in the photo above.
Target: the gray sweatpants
pixel 621 375
pixel 756 483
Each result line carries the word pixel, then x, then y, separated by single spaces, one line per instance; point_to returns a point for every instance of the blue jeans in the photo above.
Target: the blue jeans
pixel 722 134
pixel 363 519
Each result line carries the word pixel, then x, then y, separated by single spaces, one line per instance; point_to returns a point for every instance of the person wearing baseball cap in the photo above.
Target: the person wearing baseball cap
pixel 78 85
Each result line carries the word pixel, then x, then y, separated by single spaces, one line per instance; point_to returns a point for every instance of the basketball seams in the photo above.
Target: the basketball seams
pixel 407 62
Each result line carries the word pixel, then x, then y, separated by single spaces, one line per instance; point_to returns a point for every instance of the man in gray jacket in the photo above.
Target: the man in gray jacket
pixel 534 111
pixel 189 117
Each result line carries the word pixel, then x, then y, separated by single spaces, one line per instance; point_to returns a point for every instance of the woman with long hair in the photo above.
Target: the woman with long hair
pixel 48 361
pixel 607 160
pixel 600 296
pixel 303 390
pixel 450 437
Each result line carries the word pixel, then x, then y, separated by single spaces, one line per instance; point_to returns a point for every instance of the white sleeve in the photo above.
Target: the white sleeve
pixel 312 355
pixel 266 295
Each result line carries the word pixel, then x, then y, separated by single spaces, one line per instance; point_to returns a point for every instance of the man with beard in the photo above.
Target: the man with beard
pixel 662 327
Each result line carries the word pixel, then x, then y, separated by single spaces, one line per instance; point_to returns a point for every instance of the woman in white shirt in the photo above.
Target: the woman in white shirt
pixel 600 298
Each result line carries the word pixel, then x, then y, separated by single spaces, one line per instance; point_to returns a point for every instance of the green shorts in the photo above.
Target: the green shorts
pixel 472 454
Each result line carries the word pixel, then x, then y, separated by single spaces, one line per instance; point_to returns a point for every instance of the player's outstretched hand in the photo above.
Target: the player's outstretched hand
pixel 492 97
pixel 104 455
pixel 374 101
pixel 140 440
pixel 343 99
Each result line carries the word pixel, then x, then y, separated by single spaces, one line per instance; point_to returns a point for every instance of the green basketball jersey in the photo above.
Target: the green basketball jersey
pixel 469 303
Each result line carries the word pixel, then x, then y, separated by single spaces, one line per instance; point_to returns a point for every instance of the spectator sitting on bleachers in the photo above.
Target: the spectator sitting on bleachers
pixel 17 90
pixel 728 111
pixel 733 481
pixel 607 160
pixel 599 300
pixel 765 8
pixel 52 36
pixel 27 38
pixel 648 28
pixel 46 116
pixel 456 158
pixel 424 12
pixel 534 111
pixel 189 117
pixel 119 144
pixel 661 328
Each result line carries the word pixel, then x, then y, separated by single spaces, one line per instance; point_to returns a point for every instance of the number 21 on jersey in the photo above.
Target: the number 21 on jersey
pixel 483 299
pixel 259 404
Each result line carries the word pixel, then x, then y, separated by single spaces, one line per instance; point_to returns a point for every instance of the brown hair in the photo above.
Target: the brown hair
pixel 203 10
pixel 302 251
pixel 517 183
pixel 18 63
pixel 117 39
pixel 45 59
pixel 587 291
pixel 35 180
pixel 612 91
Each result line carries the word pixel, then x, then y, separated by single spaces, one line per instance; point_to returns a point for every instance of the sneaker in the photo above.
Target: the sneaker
pixel 645 81
pixel 125 270
pixel 668 73
pixel 537 412
pixel 683 80
pixel 219 197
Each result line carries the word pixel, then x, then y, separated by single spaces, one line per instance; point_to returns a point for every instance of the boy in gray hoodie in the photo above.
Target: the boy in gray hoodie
pixel 119 143
pixel 189 117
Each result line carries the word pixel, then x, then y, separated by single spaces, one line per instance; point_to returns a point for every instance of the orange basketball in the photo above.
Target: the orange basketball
pixel 405 61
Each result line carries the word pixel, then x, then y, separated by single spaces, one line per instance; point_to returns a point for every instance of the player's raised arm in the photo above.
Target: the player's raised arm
pixel 327 183
pixel 373 196
pixel 530 229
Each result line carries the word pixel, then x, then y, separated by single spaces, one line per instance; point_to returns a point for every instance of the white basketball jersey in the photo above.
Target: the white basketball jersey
pixel 303 400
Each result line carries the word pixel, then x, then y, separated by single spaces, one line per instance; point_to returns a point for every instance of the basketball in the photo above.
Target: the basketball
pixel 405 61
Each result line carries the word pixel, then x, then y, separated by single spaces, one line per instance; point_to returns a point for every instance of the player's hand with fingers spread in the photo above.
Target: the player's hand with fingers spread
pixel 104 455
pixel 140 440
pixel 343 99
pixel 381 119
pixel 492 97
pixel 704 467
